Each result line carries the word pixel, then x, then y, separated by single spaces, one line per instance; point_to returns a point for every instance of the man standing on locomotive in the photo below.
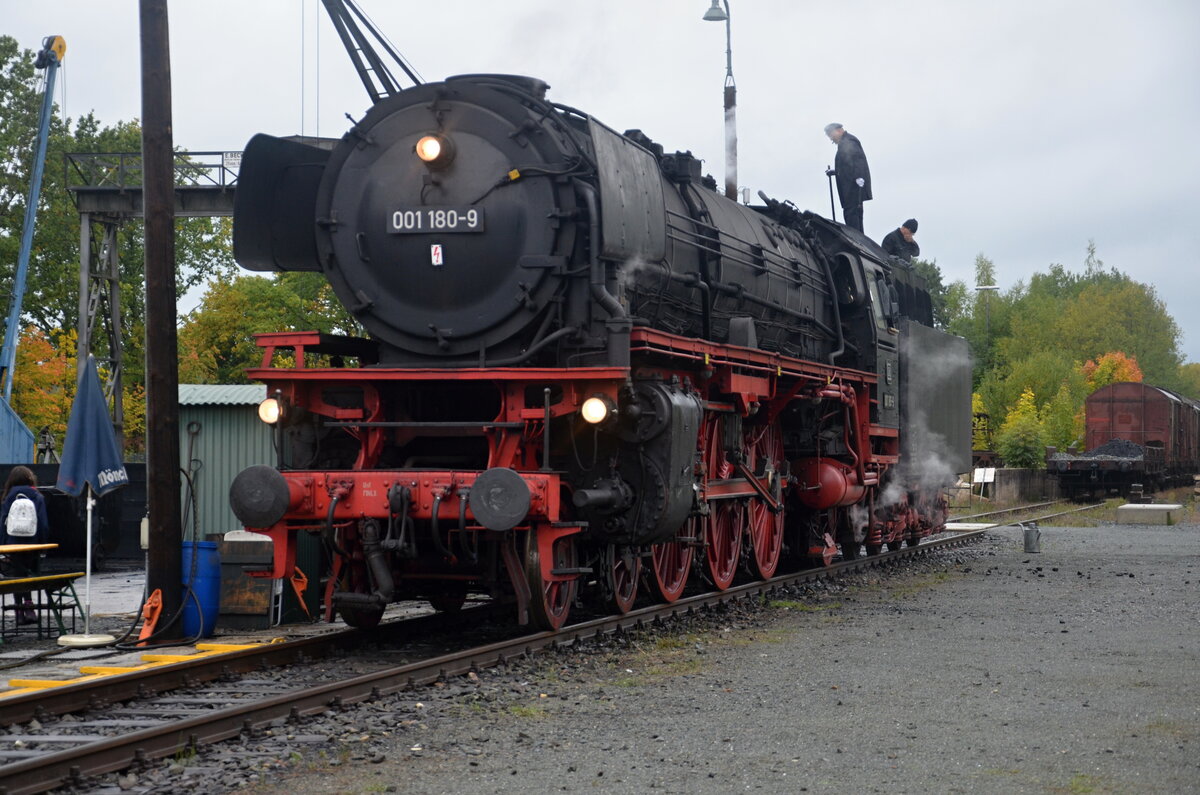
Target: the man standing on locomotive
pixel 853 174
pixel 900 242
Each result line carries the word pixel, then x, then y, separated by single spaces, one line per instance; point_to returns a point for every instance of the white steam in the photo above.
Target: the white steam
pixel 930 461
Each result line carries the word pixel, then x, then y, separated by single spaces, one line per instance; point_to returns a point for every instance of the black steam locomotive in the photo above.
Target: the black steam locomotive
pixel 584 367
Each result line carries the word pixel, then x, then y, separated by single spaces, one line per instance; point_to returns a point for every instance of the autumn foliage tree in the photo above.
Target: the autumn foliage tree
pixel 44 380
pixel 1111 368
pixel 981 430
pixel 44 392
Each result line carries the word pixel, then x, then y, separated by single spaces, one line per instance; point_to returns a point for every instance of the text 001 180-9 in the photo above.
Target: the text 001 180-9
pixel 435 219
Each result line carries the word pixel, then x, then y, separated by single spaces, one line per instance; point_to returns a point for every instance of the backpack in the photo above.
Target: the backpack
pixel 22 518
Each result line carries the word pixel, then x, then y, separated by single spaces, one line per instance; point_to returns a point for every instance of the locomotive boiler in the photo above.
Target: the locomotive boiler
pixel 583 366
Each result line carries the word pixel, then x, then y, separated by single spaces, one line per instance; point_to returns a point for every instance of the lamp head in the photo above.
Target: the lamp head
pixel 715 13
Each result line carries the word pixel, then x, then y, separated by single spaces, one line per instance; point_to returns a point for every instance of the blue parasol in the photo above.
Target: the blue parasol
pixel 90 455
pixel 91 460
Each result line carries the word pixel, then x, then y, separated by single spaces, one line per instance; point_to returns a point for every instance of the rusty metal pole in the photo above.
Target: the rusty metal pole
pixel 162 373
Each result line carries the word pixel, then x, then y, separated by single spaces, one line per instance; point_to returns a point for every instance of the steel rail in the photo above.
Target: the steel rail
pixel 1055 515
pixel 96 693
pixel 116 753
pixel 1002 511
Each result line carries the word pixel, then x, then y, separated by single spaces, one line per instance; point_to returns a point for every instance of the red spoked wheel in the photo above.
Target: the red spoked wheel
pixel 671 561
pixel 726 518
pixel 764 449
pixel 622 567
pixel 549 600
pixel 723 541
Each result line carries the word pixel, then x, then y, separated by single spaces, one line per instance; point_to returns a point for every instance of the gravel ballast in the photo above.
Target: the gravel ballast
pixel 982 669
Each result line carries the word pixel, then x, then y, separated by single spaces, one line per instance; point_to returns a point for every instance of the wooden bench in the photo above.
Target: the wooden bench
pixel 52 596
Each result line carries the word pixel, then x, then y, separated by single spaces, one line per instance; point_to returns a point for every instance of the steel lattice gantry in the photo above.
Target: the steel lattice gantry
pixel 107 188
pixel 107 191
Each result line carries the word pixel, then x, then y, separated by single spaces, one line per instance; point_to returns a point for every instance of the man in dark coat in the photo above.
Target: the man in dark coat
pixel 853 174
pixel 900 242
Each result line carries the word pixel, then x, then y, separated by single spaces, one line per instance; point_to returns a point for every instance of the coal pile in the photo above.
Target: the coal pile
pixel 1111 450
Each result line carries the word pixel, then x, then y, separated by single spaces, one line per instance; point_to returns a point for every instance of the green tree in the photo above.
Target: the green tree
pixel 957 303
pixel 1126 317
pixel 1189 380
pixel 987 318
pixel 21 108
pixel 1087 314
pixel 1021 441
pixel 1040 335
pixel 216 340
pixel 51 303
pixel 1034 326
pixel 1062 417
pixel 1042 372
pixel 932 274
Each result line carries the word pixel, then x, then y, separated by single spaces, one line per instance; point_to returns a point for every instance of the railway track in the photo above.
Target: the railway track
pixel 1006 511
pixel 160 721
pixel 1020 508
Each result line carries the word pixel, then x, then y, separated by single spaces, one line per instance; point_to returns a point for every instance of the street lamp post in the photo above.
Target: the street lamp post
pixel 717 14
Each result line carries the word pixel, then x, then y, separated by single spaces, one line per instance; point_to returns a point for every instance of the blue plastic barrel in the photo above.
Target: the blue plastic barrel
pixel 205 596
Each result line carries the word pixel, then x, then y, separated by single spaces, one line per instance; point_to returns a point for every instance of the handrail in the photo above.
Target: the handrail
pixel 123 170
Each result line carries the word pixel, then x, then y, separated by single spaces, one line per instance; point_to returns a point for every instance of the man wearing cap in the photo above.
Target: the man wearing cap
pixel 853 174
pixel 900 243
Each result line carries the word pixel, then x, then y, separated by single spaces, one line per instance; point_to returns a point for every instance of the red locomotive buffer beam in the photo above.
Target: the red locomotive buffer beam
pixel 457 507
pixel 318 500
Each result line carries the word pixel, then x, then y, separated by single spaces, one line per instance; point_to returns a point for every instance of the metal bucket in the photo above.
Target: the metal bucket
pixel 1033 537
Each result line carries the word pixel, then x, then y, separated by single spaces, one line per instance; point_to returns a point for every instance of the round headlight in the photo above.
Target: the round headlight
pixel 435 150
pixel 429 148
pixel 269 411
pixel 595 409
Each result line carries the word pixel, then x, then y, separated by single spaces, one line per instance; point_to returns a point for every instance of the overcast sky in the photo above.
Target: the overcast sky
pixel 1020 130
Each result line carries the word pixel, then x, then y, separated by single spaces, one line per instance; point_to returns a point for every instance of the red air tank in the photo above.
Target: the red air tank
pixel 826 483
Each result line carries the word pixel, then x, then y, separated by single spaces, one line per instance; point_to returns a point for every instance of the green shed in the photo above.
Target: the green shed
pixel 220 434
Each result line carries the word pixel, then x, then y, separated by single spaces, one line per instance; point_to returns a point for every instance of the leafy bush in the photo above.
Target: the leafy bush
pixel 1021 441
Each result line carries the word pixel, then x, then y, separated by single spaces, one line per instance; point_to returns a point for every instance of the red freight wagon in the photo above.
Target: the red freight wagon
pixel 1136 433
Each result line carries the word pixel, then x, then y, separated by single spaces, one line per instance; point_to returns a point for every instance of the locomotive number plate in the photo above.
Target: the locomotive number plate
pixel 416 220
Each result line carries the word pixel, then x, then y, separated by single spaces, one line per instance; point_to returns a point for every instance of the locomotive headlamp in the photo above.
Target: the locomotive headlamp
pixel 270 410
pixel 596 409
pixel 429 148
pixel 435 150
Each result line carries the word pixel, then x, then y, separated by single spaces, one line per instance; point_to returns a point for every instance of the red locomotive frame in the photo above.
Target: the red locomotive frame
pixel 538 555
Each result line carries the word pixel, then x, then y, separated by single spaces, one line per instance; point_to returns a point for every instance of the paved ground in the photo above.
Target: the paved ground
pixel 989 670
